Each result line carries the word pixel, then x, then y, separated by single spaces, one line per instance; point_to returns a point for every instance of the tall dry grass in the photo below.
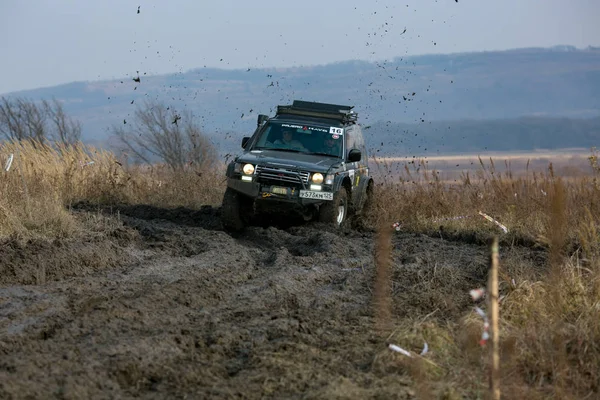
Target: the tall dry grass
pixel 43 182
pixel 420 201
pixel 549 319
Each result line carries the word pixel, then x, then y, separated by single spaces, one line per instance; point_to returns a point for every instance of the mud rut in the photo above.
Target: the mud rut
pixel 180 309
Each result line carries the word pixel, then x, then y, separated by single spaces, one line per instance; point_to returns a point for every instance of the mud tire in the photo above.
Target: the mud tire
pixel 369 201
pixel 363 218
pixel 235 211
pixel 329 213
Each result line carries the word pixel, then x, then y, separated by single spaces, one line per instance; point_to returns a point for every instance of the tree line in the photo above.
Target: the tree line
pixel 157 133
pixel 517 134
pixel 22 119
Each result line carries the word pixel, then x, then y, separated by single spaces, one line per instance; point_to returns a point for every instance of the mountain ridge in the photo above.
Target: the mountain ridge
pixel 561 81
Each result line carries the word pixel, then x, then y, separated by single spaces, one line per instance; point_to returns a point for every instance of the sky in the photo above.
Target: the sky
pixel 50 42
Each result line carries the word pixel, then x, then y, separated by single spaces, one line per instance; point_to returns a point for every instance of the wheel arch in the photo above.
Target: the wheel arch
pixel 346 184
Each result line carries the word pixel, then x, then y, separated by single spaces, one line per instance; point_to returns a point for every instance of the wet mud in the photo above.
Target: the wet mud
pixel 171 306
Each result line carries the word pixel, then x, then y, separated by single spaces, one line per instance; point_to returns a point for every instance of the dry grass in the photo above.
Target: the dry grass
pixel 549 341
pixel 43 182
pixel 550 322
pixel 421 201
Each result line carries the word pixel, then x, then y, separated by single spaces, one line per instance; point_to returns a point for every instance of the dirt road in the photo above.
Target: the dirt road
pixel 164 304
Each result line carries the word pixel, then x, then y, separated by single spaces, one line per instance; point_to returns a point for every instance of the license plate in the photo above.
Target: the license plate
pixel 279 190
pixel 309 194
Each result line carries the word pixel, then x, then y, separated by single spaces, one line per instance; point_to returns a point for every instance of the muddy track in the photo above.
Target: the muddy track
pixel 184 310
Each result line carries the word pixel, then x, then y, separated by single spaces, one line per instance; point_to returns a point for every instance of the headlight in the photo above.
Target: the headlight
pixel 248 169
pixel 317 178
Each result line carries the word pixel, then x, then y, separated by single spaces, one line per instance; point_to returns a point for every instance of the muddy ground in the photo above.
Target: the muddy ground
pixel 164 304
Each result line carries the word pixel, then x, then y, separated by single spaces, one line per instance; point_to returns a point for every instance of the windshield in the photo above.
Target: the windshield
pixel 308 139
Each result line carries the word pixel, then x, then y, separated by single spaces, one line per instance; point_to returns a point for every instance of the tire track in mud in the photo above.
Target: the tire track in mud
pixel 198 313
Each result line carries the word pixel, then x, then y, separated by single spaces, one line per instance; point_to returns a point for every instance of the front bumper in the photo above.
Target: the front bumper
pixel 263 193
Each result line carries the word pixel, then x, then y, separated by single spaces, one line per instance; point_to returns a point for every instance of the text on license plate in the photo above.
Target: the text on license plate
pixel 279 190
pixel 308 194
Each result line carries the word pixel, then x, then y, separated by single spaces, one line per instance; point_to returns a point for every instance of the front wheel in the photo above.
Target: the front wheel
pixel 234 211
pixel 335 212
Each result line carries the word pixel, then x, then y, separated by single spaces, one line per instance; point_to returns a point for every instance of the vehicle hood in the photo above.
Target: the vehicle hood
pixel 283 159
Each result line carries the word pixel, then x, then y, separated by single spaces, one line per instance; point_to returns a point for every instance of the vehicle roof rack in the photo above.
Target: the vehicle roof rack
pixel 320 110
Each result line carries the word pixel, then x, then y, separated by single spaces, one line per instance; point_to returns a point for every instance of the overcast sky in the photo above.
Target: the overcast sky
pixel 48 42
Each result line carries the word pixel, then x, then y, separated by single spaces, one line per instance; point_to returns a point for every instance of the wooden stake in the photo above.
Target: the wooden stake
pixel 494 330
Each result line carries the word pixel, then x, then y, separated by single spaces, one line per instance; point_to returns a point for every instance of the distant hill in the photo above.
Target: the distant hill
pixel 479 136
pixel 522 85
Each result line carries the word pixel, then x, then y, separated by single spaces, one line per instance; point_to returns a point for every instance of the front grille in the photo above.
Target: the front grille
pixel 281 175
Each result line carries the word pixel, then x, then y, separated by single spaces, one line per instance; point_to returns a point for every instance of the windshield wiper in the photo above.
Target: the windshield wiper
pixel 289 150
pixel 277 149
pixel 318 153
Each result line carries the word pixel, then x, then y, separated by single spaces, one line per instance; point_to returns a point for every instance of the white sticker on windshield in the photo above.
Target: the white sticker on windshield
pixel 304 127
pixel 336 131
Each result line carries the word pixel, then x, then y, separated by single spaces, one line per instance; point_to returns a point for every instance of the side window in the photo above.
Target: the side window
pixel 361 141
pixel 350 140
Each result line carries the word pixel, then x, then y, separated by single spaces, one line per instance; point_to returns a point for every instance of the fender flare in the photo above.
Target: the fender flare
pixel 341 179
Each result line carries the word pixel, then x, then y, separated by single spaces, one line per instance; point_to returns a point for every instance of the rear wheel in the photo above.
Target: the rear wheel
pixel 366 213
pixel 335 212
pixel 235 211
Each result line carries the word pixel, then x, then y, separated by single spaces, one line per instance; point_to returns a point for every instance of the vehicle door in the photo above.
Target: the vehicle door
pixel 362 174
pixel 353 168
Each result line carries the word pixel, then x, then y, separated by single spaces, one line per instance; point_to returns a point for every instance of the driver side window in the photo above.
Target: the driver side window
pixel 351 142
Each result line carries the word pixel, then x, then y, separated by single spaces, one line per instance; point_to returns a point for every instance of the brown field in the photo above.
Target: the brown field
pixel 119 282
pixel 567 163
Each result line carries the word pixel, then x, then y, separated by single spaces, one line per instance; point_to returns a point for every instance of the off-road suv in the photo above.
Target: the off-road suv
pixel 309 159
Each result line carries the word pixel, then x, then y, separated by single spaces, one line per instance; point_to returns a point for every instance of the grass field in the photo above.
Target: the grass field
pixel 550 316
pixel 567 163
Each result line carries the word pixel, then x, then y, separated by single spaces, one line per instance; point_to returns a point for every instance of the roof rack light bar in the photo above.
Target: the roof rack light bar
pixel 323 110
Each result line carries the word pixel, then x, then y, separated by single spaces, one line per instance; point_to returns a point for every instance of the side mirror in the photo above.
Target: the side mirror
pixel 354 155
pixel 245 141
pixel 261 118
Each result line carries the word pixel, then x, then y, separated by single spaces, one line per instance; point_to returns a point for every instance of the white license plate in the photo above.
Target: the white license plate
pixel 309 194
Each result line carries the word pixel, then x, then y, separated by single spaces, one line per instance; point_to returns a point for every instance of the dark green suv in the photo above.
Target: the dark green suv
pixel 309 159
